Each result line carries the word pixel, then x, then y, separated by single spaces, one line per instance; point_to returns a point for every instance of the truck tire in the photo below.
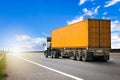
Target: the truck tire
pixel 52 54
pixel 84 56
pixel 72 57
pixel 78 56
pixel 55 54
pixel 46 54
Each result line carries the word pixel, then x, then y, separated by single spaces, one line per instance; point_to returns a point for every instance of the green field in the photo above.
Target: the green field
pixel 3 74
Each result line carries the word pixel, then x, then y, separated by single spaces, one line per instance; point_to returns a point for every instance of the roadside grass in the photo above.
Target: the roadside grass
pixel 3 65
pixel 0 54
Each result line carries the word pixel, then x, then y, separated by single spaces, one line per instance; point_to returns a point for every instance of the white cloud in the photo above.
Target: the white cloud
pixel 93 11
pixel 115 41
pixel 87 12
pixel 104 13
pixel 96 9
pixel 82 2
pixel 111 2
pixel 103 17
pixel 27 43
pixel 38 40
pixel 110 18
pixel 115 25
pixel 77 19
pixel 22 37
pixel 115 37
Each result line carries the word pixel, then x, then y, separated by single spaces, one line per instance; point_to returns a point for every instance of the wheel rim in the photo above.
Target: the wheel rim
pixel 83 57
pixel 78 56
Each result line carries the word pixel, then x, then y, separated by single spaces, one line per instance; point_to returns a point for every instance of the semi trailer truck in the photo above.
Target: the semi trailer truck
pixel 84 40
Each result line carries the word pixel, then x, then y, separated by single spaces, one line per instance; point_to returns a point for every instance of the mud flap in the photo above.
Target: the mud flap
pixel 89 56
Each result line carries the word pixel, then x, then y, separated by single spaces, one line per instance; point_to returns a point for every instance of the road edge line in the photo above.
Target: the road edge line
pixel 57 71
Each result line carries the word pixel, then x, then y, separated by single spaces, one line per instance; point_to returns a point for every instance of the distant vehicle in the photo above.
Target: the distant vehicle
pixel 84 40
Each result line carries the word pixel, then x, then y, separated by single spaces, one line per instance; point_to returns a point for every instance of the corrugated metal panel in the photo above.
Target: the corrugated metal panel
pixel 105 37
pixel 90 33
pixel 93 33
pixel 71 36
pixel 99 34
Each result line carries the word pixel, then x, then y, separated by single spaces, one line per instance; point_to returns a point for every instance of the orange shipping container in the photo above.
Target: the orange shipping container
pixel 89 34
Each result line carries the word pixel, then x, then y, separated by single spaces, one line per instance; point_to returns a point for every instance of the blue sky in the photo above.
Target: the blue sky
pixel 24 24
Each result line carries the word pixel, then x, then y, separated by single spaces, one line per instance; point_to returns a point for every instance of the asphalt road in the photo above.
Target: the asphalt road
pixel 34 66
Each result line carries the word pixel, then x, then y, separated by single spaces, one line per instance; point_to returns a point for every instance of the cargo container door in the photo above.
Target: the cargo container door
pixel 93 32
pixel 105 39
pixel 99 34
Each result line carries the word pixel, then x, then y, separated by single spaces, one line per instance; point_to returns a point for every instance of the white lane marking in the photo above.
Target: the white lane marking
pixel 57 71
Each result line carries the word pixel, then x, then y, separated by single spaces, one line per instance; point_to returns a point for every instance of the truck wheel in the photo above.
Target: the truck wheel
pixel 78 56
pixel 55 54
pixel 46 55
pixel 52 54
pixel 84 56
pixel 72 56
